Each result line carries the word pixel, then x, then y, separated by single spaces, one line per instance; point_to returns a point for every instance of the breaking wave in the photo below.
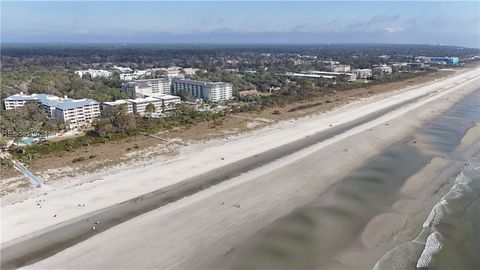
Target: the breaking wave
pixel 450 238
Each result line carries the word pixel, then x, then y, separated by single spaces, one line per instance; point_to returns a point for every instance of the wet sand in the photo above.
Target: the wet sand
pixel 343 231
pixel 194 231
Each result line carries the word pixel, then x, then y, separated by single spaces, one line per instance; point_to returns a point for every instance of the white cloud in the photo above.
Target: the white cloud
pixel 393 29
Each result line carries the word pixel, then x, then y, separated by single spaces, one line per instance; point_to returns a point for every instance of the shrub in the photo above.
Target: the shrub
pixel 79 159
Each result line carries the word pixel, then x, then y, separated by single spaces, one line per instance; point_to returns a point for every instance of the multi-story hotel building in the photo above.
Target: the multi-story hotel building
pixel 338 68
pixel 141 88
pixel 94 73
pixel 362 73
pixel 140 104
pixel 117 103
pixel 75 112
pixel 169 102
pixel 161 102
pixel 214 91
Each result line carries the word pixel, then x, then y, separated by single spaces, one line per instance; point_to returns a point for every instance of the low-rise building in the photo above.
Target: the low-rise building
pixel 123 69
pixel 364 73
pixel 432 59
pixel 135 75
pixel 416 66
pixel 338 68
pixel 382 70
pixel 119 103
pixel 75 112
pixel 140 104
pixel 169 102
pixel 94 73
pixel 214 91
pixel 19 100
pixel 190 71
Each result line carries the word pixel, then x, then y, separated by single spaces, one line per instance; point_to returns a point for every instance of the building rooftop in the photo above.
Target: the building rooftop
pixel 164 96
pixel 144 82
pixel 116 102
pixel 54 101
pixel 143 100
pixel 199 82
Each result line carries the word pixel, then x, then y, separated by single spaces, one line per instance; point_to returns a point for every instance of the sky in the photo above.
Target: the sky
pixel 283 22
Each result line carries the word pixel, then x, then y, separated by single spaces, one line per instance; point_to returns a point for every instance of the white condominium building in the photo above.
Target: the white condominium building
pixel 94 73
pixel 338 68
pixel 135 75
pixel 214 91
pixel 161 102
pixel 142 88
pixel 19 100
pixel 169 102
pixel 74 112
pixel 118 103
pixel 362 73
pixel 140 104
pixel 382 70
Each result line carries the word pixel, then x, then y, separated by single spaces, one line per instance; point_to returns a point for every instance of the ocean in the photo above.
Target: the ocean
pixel 312 236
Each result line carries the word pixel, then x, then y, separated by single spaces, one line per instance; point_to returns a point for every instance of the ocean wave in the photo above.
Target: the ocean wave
pixel 448 224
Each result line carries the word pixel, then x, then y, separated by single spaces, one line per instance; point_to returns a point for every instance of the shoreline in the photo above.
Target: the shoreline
pixel 363 132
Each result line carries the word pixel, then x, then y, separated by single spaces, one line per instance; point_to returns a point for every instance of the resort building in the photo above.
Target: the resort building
pixel 94 73
pixel 123 69
pixel 338 68
pixel 135 75
pixel 169 102
pixel 214 91
pixel 381 70
pixel 444 60
pixel 140 104
pixel 161 102
pixel 119 103
pixel 141 88
pixel 19 100
pixel 75 112
pixel 362 73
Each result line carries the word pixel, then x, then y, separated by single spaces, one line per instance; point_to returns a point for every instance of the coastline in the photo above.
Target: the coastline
pixel 110 156
pixel 373 137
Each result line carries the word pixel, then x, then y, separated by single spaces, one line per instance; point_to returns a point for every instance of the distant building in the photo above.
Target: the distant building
pixel 330 62
pixel 140 88
pixel 135 75
pixel 444 60
pixel 140 104
pixel 161 102
pixel 169 102
pixel 382 70
pixel 416 66
pixel 338 68
pixel 362 73
pixel 123 69
pixel 324 75
pixel 447 60
pixel 94 73
pixel 117 103
pixel 398 66
pixel 190 71
pixel 214 91
pixel 19 100
pixel 75 112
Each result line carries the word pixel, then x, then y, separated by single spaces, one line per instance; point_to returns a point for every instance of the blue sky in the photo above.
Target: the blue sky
pixel 446 23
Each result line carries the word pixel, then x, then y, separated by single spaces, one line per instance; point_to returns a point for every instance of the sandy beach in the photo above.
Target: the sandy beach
pixel 195 231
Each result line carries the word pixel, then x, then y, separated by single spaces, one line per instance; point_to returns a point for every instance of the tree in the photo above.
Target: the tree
pixel 150 109
pixel 103 127
pixel 27 120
